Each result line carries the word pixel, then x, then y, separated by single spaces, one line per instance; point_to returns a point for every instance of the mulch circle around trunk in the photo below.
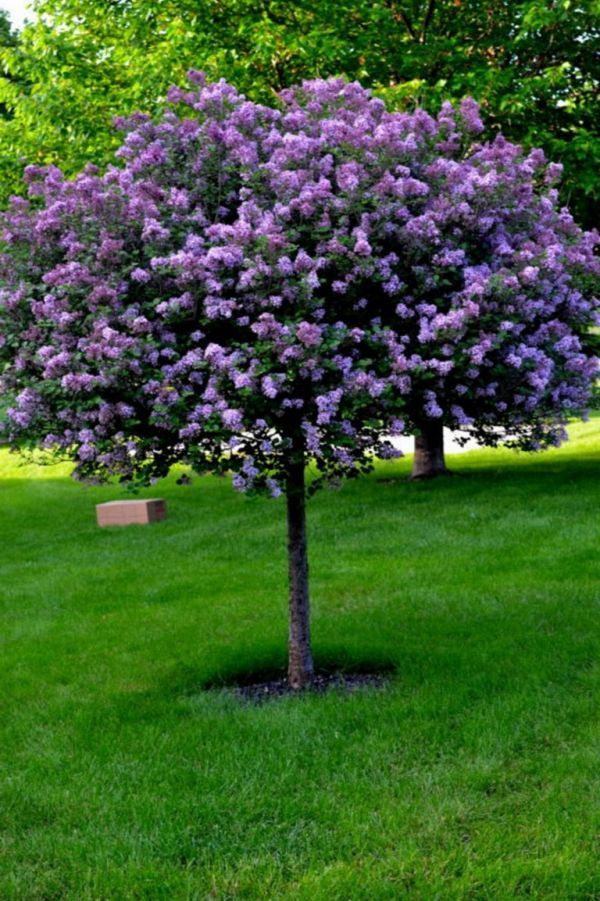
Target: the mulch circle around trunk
pixel 259 692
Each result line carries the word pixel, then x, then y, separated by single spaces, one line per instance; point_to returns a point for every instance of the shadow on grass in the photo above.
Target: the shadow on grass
pixel 272 666
pixel 244 678
pixel 516 471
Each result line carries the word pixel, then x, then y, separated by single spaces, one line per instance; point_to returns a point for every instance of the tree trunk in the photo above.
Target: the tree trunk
pixel 300 665
pixel 429 459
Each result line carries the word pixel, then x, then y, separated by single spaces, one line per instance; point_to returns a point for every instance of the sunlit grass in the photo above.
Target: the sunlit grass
pixel 473 774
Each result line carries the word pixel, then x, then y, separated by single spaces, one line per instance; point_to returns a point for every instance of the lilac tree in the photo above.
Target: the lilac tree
pixel 251 288
pixel 498 291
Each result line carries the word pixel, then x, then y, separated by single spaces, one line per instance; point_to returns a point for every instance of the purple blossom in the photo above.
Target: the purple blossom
pixel 309 334
pixel 140 275
pixel 344 273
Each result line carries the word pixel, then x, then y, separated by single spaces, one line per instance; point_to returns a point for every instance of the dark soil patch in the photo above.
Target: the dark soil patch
pixel 259 692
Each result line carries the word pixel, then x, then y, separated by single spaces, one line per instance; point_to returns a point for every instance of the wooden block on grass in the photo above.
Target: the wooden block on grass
pixel 126 513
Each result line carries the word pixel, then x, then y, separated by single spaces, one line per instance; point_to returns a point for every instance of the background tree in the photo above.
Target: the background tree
pixel 531 63
pixel 7 35
pixel 254 287
pixel 8 39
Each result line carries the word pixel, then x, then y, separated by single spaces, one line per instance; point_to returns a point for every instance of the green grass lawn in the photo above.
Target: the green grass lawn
pixel 475 773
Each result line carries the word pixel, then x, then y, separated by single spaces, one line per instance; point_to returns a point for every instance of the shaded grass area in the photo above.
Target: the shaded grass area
pixel 473 774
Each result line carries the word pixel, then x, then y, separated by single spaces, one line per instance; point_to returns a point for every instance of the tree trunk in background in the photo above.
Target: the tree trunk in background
pixel 300 665
pixel 429 459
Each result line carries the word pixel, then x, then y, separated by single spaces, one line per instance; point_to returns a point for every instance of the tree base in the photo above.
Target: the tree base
pixel 425 476
pixel 258 692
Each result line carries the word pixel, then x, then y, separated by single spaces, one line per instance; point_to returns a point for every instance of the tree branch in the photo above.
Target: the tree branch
pixel 427 21
pixel 278 19
pixel 399 14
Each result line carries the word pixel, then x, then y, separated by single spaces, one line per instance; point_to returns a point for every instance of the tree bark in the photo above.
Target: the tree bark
pixel 429 459
pixel 300 665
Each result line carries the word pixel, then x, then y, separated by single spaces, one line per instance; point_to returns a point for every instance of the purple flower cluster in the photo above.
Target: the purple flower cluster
pixel 326 271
